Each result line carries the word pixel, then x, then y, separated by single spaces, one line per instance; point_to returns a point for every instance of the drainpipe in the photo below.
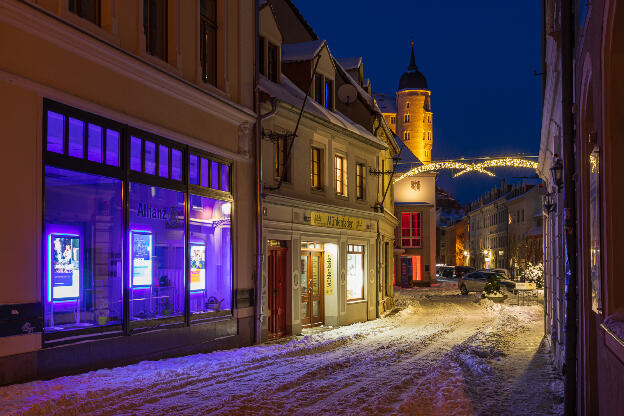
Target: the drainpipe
pixel 567 74
pixel 258 166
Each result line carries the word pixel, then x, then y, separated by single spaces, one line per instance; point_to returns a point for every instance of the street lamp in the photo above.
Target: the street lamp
pixel 549 203
pixel 466 253
pixel 557 171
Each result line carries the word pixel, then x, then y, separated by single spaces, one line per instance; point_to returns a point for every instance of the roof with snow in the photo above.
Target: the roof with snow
pixel 407 159
pixel 386 102
pixel 289 93
pixel 303 51
pixel 350 63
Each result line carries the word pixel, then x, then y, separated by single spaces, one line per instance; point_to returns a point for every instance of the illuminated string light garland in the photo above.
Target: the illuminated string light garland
pixel 504 162
pixel 470 167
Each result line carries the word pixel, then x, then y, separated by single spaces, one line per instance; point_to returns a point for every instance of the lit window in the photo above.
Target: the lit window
pixel 407 118
pixel 341 175
pixel 411 229
pixel 392 120
pixel 406 135
pixel 359 181
pixel 355 272
pixel 315 168
pixel 208 40
pixel 407 105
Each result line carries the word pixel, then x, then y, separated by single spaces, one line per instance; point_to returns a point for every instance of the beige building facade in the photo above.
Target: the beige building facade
pixel 129 134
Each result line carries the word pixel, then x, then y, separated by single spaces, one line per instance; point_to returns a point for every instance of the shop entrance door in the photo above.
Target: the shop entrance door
pixel 312 288
pixel 277 291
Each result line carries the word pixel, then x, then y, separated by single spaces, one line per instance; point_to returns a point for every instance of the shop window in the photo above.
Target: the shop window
pixel 112 147
pixel 210 250
pixel 155 27
pixel 341 175
pixel 150 158
pixel 193 172
pixel 355 272
pixel 176 164
pixel 55 127
pixel 83 246
pixel 156 253
pixel 214 179
pixel 157 159
pixel 208 40
pixel 225 177
pixel 163 161
pixel 315 168
pixel 87 9
pixel 135 154
pixel 208 173
pixel 94 148
pixel 360 181
pixel 76 138
pixel 411 229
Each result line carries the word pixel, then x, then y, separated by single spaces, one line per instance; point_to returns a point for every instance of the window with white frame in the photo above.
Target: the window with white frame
pixel 341 175
pixel 355 272
pixel 411 229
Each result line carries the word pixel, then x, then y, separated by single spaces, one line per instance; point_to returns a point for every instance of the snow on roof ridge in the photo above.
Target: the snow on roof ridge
pixel 351 62
pixel 288 92
pixel 301 51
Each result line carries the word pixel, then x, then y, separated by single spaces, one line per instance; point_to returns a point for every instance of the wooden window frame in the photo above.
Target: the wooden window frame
pixel 340 175
pixel 206 25
pixel 273 62
pixel 412 233
pixel 329 95
pixel 360 181
pixel 75 7
pixel 319 91
pixel 163 34
pixel 316 168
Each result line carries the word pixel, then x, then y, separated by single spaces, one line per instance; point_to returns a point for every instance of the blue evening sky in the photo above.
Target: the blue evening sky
pixel 478 58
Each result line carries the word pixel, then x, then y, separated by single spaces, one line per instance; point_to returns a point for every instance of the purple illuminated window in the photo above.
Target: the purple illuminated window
pixel 82 245
pixel 176 164
pixel 135 154
pixel 76 143
pixel 214 178
pixel 193 169
pixel 225 178
pixel 112 148
pixel 150 158
pixel 156 260
pixel 94 150
pixel 204 172
pixel 55 132
pixel 210 251
pixel 163 161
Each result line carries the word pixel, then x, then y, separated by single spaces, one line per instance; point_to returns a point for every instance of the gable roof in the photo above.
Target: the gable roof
pixel 302 51
pixel 386 102
pixel 287 92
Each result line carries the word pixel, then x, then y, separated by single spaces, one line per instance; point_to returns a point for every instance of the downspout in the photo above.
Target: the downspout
pixel 567 73
pixel 258 166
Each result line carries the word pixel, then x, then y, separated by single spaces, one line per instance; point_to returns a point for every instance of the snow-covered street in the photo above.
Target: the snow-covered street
pixel 437 353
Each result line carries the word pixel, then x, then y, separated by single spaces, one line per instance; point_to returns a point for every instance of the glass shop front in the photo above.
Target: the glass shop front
pixel 137 229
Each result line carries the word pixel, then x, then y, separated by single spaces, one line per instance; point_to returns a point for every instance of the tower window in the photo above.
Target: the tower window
pixel 406 135
pixel 392 120
pixel 407 105
pixel 407 118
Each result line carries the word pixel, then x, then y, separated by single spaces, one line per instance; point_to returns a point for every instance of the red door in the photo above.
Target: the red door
pixel 277 291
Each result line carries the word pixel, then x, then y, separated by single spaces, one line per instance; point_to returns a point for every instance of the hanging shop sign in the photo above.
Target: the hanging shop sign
pixel 322 219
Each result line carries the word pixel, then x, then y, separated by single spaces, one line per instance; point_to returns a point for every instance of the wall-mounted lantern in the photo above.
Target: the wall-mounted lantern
pixel 557 171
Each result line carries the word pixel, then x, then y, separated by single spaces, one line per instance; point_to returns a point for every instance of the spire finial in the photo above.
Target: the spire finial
pixel 412 65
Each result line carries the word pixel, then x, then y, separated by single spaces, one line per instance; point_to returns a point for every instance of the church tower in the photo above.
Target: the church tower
pixel 414 117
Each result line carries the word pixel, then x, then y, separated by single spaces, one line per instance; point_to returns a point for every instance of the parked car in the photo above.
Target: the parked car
pixel 502 271
pixel 476 281
pixel 445 272
pixel 462 270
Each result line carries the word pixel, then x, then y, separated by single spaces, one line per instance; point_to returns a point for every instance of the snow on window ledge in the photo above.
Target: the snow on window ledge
pixel 613 326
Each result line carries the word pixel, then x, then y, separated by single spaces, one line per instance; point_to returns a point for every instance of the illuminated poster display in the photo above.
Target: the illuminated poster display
pixel 141 243
pixel 198 267
pixel 64 266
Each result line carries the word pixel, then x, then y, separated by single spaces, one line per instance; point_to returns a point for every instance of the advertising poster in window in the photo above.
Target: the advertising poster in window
pixel 594 213
pixel 198 267
pixel 141 258
pixel 65 266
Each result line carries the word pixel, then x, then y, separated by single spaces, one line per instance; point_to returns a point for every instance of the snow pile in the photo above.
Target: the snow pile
pixel 615 323
pixel 438 353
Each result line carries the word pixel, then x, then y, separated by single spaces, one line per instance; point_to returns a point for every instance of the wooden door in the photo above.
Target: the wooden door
pixel 277 291
pixel 312 289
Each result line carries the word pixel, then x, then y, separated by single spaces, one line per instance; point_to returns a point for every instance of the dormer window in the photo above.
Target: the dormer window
pixel 318 88
pixel 329 94
pixel 273 62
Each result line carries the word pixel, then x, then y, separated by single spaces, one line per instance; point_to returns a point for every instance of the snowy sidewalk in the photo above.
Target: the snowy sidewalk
pixel 440 354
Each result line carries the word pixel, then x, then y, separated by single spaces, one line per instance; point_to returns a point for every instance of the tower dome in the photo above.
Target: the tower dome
pixel 413 79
